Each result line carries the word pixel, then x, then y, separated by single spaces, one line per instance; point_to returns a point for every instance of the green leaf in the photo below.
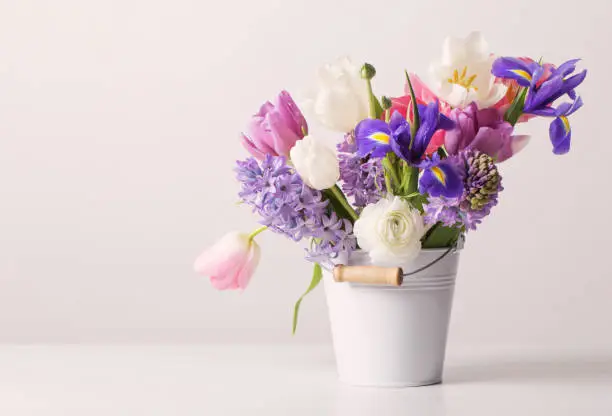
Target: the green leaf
pixel 440 236
pixel 416 123
pixel 418 202
pixel 317 274
pixel 339 204
pixel 413 179
pixel 516 109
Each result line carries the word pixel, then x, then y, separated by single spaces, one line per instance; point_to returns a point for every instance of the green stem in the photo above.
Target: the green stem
pixel 373 100
pixel 339 196
pixel 388 164
pixel 413 181
pixel 388 184
pixel 257 231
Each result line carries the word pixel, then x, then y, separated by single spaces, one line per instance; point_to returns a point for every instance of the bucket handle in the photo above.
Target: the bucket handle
pixel 376 275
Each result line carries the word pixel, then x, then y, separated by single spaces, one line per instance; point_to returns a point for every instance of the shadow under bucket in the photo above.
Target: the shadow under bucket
pixel 393 336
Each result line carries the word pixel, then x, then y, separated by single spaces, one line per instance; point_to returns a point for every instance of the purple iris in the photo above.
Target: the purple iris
pixel 543 92
pixel 560 131
pixel 441 177
pixel 376 138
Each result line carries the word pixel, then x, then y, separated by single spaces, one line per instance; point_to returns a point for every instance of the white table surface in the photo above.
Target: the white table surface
pixel 290 380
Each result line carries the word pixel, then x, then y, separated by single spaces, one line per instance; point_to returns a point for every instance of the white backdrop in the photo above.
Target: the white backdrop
pixel 118 134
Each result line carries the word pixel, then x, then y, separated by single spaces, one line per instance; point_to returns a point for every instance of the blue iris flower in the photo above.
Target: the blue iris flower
pixel 377 138
pixel 442 177
pixel 560 131
pixel 542 94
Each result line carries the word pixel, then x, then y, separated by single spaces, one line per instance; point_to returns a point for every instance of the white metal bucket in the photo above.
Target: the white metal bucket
pixel 393 336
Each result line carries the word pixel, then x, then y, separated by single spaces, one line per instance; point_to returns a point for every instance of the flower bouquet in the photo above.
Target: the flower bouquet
pixel 388 209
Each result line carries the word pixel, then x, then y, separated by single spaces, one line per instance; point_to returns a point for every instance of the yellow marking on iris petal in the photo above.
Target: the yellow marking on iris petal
pixel 566 124
pixel 439 174
pixel 522 73
pixel 380 137
pixel 463 79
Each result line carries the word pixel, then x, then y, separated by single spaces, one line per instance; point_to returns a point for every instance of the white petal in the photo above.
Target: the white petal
pixel 453 50
pixel 315 162
pixel 457 96
pixel 496 93
pixel 476 47
pixel 383 245
pixel 339 109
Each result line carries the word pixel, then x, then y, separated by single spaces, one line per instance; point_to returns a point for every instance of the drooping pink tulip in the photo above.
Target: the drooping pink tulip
pixel 275 128
pixel 230 262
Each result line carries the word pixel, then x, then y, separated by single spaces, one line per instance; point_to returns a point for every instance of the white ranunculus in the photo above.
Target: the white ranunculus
pixel 340 99
pixel 390 231
pixel 464 74
pixel 315 162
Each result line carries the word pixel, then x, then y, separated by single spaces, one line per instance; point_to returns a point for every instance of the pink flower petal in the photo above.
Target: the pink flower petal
pixel 230 262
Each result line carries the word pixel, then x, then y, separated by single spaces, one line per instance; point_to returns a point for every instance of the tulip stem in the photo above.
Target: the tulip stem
pixel 257 231
pixel 339 196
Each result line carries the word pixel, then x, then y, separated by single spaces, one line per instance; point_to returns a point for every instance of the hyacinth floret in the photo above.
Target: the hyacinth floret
pixel 289 207
pixel 482 184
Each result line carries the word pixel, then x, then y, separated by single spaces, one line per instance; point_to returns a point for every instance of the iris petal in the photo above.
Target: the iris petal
pixel 567 67
pixel 521 73
pixel 372 137
pixel 442 179
pixel 560 135
pixel 514 68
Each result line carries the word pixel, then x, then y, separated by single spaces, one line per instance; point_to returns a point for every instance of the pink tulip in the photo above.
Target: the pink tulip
pixel 275 128
pixel 230 262
pixel 484 130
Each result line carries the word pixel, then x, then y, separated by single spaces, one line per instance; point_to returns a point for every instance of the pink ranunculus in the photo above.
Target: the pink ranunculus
pixel 275 128
pixel 484 130
pixel 423 96
pixel 230 262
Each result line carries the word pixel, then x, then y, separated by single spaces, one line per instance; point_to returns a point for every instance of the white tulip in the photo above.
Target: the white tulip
pixel 464 74
pixel 390 231
pixel 340 99
pixel 315 162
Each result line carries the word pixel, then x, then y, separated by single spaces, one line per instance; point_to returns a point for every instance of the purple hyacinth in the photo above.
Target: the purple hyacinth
pixel 444 210
pixel 289 207
pixel 333 236
pixel 482 185
pixel 362 177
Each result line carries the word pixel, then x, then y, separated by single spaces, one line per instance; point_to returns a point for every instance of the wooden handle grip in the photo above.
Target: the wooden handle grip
pixel 373 275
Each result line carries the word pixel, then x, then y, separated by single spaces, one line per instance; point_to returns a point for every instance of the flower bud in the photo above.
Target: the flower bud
pixel 230 262
pixel 316 163
pixel 368 71
pixel 340 99
pixel 386 102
